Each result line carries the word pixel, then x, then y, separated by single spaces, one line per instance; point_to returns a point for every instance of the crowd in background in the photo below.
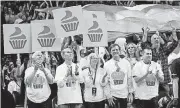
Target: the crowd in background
pixel 19 12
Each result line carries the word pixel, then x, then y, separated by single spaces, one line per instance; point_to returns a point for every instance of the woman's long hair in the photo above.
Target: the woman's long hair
pixel 136 55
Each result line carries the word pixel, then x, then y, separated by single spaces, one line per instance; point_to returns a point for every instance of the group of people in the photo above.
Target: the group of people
pixel 131 75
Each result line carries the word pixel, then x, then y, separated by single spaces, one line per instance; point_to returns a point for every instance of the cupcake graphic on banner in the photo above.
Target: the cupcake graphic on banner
pixel 69 23
pixel 17 39
pixel 46 38
pixel 95 34
pixel 118 77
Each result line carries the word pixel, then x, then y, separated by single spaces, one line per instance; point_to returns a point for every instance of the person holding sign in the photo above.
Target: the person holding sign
pixel 37 80
pixel 147 75
pixel 119 74
pixel 68 79
pixel 94 86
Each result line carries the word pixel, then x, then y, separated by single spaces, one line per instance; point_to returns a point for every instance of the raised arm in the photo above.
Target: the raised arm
pixel 170 48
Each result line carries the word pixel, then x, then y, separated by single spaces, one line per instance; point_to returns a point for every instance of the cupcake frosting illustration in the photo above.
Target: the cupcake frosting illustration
pixel 150 80
pixel 118 77
pixel 17 39
pixel 68 22
pixel 95 34
pixel 46 38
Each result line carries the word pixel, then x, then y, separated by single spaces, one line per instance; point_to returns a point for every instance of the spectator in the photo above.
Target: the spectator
pixel 10 17
pixel 7 100
pixel 119 76
pixel 132 56
pixel 94 86
pixel 160 54
pixel 147 75
pixel 69 91
pixel 37 80
pixel 175 70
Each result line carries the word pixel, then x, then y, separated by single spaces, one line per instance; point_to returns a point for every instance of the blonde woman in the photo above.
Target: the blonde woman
pixel 94 88
pixel 132 54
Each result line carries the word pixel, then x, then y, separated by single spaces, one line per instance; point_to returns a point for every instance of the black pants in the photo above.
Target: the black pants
pixel 146 103
pixel 45 104
pixel 119 103
pixel 100 104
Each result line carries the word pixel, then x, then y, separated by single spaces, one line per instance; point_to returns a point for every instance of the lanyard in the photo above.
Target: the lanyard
pixel 94 79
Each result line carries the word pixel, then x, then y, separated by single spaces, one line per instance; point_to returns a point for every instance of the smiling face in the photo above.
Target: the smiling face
pixel 40 57
pixel 68 54
pixel 131 49
pixel 94 61
pixel 147 55
pixel 115 51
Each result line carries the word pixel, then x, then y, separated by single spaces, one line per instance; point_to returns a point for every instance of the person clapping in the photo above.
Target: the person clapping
pixel 37 80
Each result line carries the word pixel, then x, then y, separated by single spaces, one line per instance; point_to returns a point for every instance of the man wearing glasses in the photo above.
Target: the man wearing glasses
pixel 68 81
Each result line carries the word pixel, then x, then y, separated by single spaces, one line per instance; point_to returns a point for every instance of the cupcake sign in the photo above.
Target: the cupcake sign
pixel 17 38
pixel 97 33
pixel 69 21
pixel 44 36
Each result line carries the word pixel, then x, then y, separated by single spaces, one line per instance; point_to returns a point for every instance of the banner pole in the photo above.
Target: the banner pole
pixel 96 50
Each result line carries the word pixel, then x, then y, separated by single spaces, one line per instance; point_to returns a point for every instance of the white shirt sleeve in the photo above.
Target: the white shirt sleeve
pixel 11 87
pixel 59 76
pixel 27 73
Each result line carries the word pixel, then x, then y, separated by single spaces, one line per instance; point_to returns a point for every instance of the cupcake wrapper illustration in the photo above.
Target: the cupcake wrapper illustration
pixel 18 43
pixel 95 37
pixel 70 26
pixel 46 42
pixel 150 83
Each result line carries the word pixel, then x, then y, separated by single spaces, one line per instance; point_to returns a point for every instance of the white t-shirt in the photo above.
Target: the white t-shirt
pixel 12 86
pixel 148 88
pixel 118 80
pixel 69 92
pixel 84 62
pixel 39 91
pixel 88 80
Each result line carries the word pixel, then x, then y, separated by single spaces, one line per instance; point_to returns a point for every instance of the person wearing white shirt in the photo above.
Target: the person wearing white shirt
pixel 118 78
pixel 68 79
pixel 94 87
pixel 147 75
pixel 37 80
